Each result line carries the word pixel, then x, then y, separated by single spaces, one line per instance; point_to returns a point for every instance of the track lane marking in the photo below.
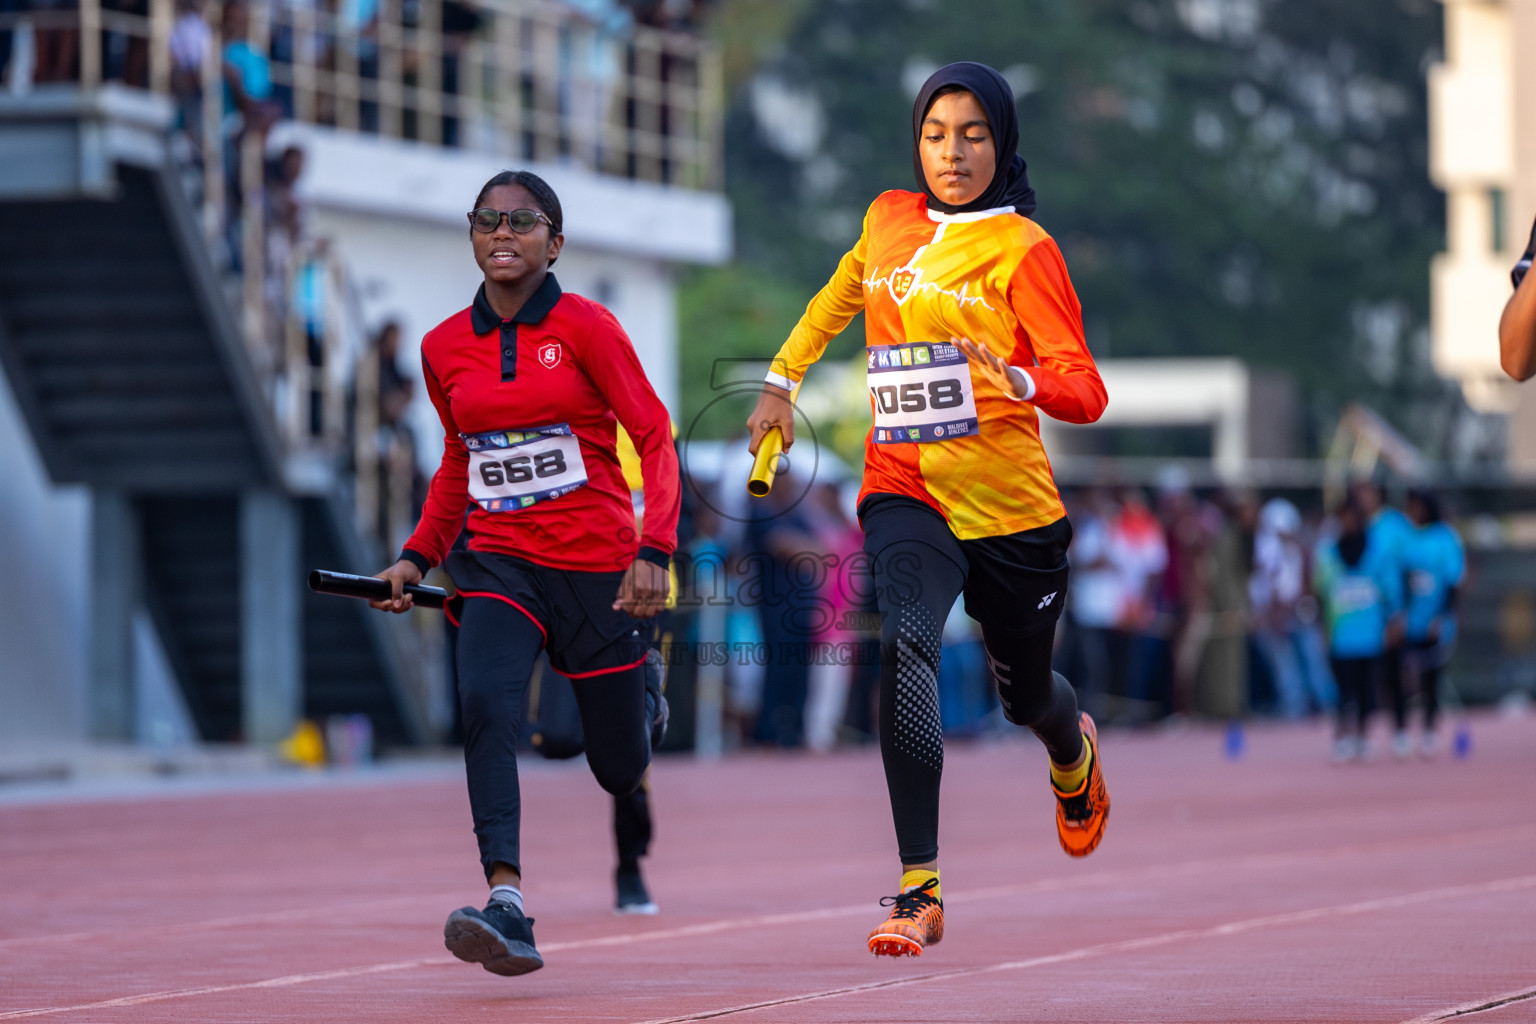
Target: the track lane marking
pixel 1131 945
pixel 1128 945
pixel 1476 1006
pixel 1173 869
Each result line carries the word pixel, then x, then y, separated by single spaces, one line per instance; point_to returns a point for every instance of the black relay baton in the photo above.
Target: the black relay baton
pixel 371 588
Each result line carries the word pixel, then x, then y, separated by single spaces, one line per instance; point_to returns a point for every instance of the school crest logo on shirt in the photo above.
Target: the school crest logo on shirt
pixel 549 355
pixel 902 281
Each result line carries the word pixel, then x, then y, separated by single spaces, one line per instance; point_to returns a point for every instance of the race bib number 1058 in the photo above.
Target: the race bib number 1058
pixel 513 469
pixel 921 393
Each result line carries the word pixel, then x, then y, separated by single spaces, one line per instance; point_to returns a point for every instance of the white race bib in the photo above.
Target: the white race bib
pixel 921 393
pixel 513 469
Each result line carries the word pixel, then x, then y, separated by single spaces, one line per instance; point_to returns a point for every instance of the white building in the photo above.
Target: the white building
pixel 1482 137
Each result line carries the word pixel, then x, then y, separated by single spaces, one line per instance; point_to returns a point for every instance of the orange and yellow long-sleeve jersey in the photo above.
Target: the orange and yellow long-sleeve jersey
pixel 943 434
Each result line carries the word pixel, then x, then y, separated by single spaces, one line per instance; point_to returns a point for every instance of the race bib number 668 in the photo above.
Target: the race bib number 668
pixel 921 393
pixel 513 469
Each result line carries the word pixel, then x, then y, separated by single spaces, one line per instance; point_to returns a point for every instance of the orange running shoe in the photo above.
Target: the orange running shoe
pixel 916 921
pixel 1081 815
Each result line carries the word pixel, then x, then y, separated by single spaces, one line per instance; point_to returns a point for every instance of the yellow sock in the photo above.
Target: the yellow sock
pixel 1069 778
pixel 915 878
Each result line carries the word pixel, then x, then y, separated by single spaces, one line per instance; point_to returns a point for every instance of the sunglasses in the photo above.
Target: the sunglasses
pixel 486 220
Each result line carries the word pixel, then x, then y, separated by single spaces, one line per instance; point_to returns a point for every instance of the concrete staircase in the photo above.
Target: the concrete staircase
pixel 122 347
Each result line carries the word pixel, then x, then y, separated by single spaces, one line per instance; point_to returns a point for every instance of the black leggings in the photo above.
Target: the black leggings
pixel 1357 692
pixel 1428 661
pixel 1395 685
pixel 919 569
pixel 497 647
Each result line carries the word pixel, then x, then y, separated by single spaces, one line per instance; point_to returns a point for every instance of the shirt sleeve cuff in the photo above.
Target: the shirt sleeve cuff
pixel 778 380
pixel 1029 385
pixel 655 556
pixel 417 559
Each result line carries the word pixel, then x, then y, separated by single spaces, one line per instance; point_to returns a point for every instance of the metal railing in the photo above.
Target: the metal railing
pixel 532 80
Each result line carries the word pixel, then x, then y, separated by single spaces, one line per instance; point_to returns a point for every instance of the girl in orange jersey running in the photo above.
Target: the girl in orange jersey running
pixel 973 329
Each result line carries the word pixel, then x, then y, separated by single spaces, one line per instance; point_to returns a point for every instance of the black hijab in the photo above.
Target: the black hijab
pixel 1010 181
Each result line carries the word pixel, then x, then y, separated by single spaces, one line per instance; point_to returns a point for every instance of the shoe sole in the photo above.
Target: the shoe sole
pixel 894 945
pixel 642 909
pixel 476 942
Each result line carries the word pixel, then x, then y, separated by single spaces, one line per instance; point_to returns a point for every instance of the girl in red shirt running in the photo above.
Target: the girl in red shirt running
pixel 531 383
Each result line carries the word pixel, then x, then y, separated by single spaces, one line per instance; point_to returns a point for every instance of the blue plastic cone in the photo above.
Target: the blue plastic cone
pixel 1236 742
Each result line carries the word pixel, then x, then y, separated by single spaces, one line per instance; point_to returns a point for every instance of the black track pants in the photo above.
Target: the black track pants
pixel 632 826
pixel 1396 686
pixel 497 647
pixel 1357 692
pixel 1014 587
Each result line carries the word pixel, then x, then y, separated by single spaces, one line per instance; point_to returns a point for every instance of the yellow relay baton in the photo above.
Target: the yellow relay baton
pixel 766 465
pixel 770 459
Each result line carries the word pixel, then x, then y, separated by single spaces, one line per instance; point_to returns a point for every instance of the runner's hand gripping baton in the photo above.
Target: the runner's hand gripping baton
pixel 371 588
pixel 767 462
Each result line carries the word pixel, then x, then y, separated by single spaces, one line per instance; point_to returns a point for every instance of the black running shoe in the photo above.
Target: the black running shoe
pixel 499 938
pixel 655 696
pixel 633 897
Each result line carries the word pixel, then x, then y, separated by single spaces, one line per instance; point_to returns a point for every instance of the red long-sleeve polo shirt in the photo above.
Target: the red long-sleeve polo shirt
pixel 563 359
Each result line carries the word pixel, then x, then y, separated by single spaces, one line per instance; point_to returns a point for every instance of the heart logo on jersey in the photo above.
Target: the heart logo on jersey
pixel 902 281
pixel 549 355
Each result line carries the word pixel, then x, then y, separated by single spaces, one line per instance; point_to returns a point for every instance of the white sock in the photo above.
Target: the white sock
pixel 510 895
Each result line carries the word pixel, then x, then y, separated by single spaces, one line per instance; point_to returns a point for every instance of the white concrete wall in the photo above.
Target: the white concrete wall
pixel 44 615
pixel 1472 146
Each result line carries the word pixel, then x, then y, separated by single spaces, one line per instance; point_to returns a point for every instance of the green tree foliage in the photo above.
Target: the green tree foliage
pixel 1224 177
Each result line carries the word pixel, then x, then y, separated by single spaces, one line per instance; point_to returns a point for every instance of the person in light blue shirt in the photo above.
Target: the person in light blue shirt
pixel 1359 581
pixel 1389 531
pixel 1436 564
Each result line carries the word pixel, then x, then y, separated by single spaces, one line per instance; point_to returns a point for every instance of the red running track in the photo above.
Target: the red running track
pixel 1274 888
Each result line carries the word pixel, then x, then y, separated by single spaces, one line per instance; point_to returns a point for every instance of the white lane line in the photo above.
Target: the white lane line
pixel 1130 945
pixel 207 990
pixel 1476 1006
pixel 1175 869
pixel 264 917
pixel 737 924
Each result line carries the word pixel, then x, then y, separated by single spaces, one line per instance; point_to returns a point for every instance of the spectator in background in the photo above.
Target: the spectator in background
pixel 1360 585
pixel 1436 564
pixel 1188 525
pixel 839 536
pixel 460 21
pixel 1096 601
pixel 124 56
pixel 591 59
pixel 249 112
pixel 395 388
pixel 782 564
pixel 360 28
pixel 55 51
pixel 1284 612
pixel 1141 554
pixel 189 43
pixel 247 73
pixel 284 211
pixel 8 44
pixel 1221 689
pixel 1389 531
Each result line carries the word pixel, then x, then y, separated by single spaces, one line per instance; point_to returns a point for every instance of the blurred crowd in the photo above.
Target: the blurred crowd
pixel 1183 603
